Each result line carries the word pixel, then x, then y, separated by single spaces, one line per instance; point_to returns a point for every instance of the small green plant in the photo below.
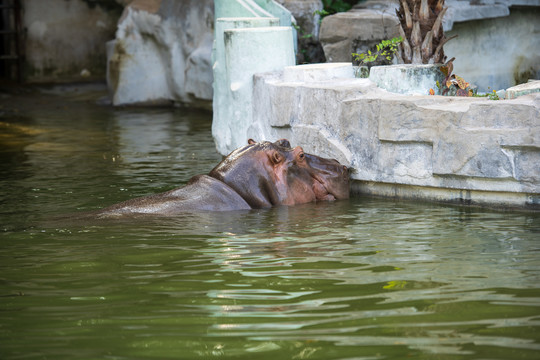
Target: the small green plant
pixel 331 7
pixel 322 13
pixel 490 95
pixel 385 49
pixel 493 95
pixel 335 6
pixel 301 32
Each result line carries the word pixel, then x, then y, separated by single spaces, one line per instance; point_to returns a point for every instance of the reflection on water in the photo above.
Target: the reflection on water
pixel 359 279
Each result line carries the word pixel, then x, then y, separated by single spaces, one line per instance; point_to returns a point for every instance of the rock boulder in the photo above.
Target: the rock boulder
pixel 307 16
pixel 357 30
pixel 162 53
pixel 458 149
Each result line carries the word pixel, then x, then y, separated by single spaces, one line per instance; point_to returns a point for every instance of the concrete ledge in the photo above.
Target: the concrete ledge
pixel 530 87
pixel 407 79
pixel 239 45
pixel 317 72
pixel 529 201
pixel 461 150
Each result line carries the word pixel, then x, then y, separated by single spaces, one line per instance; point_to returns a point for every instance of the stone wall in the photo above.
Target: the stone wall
pixel 240 44
pixel 364 26
pixel 257 40
pixel 65 40
pixel 308 19
pixel 161 53
pixel 466 150
pixel 494 49
pixel 499 52
pixel 162 50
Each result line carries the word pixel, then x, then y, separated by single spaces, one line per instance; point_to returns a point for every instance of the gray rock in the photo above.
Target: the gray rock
pixel 487 30
pixel 523 89
pixel 62 39
pixel 469 150
pixel 461 11
pixel 362 26
pixel 307 16
pixel 407 79
pixel 162 53
pixel 495 59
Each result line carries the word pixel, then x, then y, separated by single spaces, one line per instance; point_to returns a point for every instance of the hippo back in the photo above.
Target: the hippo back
pixel 248 170
pixel 202 193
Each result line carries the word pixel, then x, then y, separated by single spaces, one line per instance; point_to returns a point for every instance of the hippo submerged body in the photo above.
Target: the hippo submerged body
pixel 258 175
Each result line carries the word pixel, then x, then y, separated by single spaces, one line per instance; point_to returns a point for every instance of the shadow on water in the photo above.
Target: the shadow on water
pixel 364 278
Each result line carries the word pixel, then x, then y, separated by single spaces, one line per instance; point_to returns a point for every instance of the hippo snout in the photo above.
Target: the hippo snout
pixel 342 171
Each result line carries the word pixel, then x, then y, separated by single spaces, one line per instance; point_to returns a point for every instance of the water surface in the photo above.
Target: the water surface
pixel 360 279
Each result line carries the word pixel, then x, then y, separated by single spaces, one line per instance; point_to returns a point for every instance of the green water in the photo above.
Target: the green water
pixel 358 279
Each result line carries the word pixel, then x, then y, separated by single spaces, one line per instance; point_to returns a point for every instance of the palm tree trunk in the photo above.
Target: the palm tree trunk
pixel 421 29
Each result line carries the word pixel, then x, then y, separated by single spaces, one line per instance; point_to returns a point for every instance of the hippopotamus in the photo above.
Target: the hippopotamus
pixel 258 175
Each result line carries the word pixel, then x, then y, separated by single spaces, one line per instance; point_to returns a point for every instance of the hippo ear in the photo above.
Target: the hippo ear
pixel 276 157
pixel 251 141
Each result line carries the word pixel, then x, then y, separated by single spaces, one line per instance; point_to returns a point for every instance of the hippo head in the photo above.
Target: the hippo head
pixel 266 174
pixel 331 178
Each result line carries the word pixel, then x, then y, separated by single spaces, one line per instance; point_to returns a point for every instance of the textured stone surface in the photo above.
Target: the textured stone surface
pixel 461 11
pixel 523 89
pixel 254 8
pixel 317 72
pixel 467 10
pixel 407 79
pixel 250 43
pixel 162 53
pixel 307 16
pixel 362 26
pixel 481 151
pixel 486 56
pixel 304 12
pixel 64 38
pixel 492 59
pixel 240 45
pixel 224 104
pixel 243 48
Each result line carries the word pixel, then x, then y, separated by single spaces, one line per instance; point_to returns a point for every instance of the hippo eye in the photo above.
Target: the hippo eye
pixel 301 156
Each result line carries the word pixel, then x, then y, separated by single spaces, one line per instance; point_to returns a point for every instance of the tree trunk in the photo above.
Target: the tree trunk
pixel 422 32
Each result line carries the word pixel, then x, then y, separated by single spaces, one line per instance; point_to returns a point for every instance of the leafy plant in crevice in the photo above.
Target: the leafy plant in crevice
pixel 420 25
pixel 303 34
pixel 385 49
pixel 303 38
pixel 335 6
pixel 492 95
pixel 453 84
